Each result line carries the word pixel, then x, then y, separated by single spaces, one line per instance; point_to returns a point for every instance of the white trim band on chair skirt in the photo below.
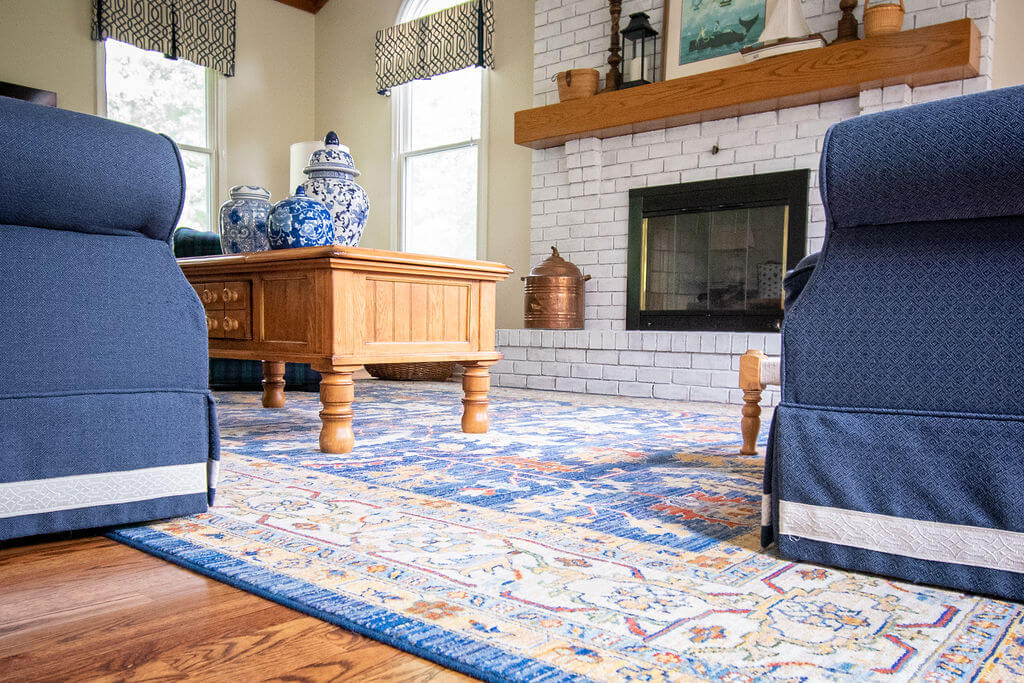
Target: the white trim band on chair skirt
pixel 38 496
pixel 936 541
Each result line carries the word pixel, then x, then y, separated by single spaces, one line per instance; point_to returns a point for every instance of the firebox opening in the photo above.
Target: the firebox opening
pixel 711 255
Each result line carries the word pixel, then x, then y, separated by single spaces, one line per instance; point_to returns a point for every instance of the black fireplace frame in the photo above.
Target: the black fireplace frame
pixel 767 189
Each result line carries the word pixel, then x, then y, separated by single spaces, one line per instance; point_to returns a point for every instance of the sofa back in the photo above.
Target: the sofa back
pixel 952 159
pixel 68 171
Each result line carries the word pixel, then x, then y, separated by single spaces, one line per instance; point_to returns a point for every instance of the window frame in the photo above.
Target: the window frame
pixel 216 129
pixel 401 133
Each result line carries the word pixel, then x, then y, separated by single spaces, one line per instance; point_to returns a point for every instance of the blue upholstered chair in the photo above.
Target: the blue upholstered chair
pixel 105 414
pixel 898 447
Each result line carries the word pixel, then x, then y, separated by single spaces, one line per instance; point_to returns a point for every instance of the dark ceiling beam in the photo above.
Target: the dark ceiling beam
pixel 311 6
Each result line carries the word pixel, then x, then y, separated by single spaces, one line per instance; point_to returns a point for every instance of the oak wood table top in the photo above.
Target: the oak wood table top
pixel 338 308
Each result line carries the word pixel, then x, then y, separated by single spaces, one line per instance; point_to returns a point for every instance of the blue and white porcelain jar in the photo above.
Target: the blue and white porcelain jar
pixel 243 220
pixel 332 172
pixel 300 222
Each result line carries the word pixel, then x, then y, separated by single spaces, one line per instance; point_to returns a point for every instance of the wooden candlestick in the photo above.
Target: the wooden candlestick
pixel 847 23
pixel 613 81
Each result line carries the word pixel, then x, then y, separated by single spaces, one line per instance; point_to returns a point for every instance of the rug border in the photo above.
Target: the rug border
pixel 396 642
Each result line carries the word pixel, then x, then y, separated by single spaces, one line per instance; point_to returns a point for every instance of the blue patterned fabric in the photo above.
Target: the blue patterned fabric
pixel 899 390
pixel 104 364
pixel 797 279
pixel 948 160
pixel 125 180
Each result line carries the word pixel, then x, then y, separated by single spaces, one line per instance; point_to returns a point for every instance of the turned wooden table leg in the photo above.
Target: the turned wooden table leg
pixel 476 382
pixel 273 384
pixel 336 394
pixel 750 425
pixel 750 383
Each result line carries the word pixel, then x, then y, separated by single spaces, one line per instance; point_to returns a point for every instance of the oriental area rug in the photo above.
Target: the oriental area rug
pixel 582 538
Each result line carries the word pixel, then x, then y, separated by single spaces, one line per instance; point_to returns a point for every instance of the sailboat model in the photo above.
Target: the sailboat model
pixel 785 31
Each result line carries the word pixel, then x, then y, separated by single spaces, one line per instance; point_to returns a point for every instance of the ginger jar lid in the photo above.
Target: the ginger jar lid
pixel 333 156
pixel 300 197
pixel 249 192
pixel 556 266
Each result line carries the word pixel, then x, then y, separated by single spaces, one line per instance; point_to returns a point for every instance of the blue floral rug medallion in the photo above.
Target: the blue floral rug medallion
pixel 580 539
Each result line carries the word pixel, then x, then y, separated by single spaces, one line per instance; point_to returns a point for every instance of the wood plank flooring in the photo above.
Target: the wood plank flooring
pixel 92 609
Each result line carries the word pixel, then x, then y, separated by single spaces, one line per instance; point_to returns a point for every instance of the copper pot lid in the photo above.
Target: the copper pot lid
pixel 556 266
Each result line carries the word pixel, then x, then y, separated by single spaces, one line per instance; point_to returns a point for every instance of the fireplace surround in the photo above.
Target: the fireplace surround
pixel 581 197
pixel 710 255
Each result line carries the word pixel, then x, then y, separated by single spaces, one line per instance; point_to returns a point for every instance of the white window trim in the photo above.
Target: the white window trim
pixel 216 97
pixel 400 134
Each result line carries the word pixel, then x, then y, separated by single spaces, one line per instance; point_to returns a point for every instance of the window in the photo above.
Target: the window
pixel 173 97
pixel 438 125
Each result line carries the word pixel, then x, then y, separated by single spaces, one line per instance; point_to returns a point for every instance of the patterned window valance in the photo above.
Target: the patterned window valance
pixel 201 31
pixel 436 44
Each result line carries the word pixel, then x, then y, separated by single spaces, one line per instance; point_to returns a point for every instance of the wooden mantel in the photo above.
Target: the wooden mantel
pixel 933 54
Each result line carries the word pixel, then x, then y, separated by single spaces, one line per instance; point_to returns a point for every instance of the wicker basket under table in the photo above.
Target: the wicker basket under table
pixel 433 372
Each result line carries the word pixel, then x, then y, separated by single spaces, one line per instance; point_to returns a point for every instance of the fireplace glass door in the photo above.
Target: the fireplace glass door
pixel 716 266
pixel 728 260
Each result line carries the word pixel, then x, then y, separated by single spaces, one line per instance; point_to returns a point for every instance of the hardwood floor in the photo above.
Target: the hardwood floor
pixel 92 609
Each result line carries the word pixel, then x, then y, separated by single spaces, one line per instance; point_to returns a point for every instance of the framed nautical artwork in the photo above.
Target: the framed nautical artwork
pixel 703 35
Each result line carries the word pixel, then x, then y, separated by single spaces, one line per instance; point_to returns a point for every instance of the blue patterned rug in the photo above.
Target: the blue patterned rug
pixel 580 539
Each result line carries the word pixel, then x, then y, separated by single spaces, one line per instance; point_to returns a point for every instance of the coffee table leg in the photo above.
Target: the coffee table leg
pixel 336 394
pixel 273 384
pixel 475 384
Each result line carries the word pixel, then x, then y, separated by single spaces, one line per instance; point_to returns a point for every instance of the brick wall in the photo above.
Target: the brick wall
pixel 580 190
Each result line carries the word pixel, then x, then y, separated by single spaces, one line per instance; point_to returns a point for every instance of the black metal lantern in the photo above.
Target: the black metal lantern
pixel 641 43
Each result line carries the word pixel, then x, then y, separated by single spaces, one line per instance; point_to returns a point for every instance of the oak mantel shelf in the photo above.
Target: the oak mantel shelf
pixel 933 54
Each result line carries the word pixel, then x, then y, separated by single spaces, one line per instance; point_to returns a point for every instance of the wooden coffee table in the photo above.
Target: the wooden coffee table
pixel 338 308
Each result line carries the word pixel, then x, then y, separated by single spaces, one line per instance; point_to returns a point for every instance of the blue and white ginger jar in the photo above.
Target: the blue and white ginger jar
pixel 332 173
pixel 300 222
pixel 243 220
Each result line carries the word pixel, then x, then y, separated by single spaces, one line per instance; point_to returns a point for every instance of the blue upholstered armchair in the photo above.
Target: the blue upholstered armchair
pixel 105 414
pixel 898 447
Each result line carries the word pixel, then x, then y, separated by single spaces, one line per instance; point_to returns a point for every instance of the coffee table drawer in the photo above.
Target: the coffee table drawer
pixel 237 295
pixel 230 324
pixel 211 294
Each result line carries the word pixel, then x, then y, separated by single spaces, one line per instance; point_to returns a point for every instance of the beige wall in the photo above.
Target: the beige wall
pixel 271 98
pixel 45 44
pixel 1008 50
pixel 347 102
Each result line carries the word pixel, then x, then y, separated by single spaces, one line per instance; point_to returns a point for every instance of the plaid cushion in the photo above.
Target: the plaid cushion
pixel 191 242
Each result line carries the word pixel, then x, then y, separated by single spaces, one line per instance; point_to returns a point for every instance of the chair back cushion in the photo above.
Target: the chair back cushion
pixel 69 171
pixel 953 159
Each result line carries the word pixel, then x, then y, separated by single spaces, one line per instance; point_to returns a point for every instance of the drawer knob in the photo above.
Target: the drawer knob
pixel 211 323
pixel 230 324
pixel 230 295
pixel 208 297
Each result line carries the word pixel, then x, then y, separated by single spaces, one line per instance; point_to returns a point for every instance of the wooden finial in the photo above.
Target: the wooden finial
pixel 613 81
pixel 847 23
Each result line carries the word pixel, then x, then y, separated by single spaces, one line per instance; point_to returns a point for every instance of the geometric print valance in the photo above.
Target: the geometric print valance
pixel 201 31
pixel 438 43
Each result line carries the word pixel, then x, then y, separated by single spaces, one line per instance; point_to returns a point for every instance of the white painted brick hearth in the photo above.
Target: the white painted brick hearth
pixel 580 203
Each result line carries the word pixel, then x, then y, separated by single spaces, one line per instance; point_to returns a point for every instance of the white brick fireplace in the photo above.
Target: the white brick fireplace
pixel 580 204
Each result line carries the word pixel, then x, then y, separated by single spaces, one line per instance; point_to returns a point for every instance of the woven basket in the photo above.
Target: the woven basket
pixel 432 372
pixel 882 19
